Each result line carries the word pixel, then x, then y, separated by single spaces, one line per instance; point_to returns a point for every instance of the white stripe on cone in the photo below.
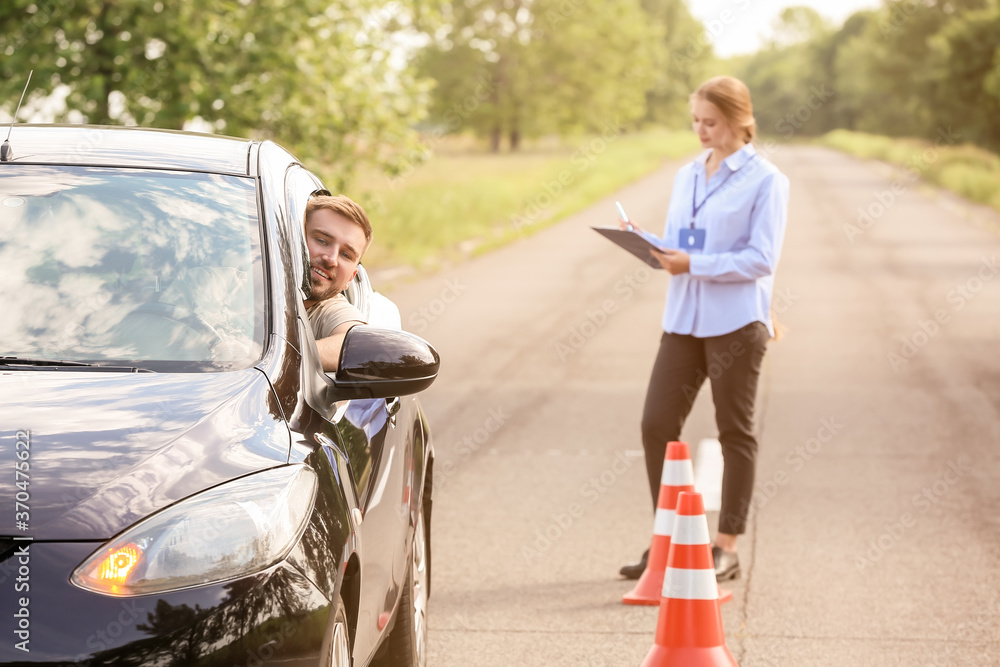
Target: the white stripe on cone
pixel 690 584
pixel 690 530
pixel 664 522
pixel 677 473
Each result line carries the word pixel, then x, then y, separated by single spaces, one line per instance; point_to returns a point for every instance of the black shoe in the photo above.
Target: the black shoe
pixel 635 570
pixel 727 564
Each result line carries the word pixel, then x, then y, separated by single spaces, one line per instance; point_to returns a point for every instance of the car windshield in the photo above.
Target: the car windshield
pixel 161 270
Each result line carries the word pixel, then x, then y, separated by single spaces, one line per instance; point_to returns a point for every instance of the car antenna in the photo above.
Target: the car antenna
pixel 6 152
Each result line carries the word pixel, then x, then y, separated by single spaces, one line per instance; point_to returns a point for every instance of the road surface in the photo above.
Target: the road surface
pixel 875 532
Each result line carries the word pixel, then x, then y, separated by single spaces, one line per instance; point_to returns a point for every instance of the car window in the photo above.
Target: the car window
pixel 299 184
pixel 158 268
pixel 299 187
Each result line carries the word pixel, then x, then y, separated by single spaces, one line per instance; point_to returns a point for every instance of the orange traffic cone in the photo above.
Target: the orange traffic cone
pixel 678 475
pixel 689 631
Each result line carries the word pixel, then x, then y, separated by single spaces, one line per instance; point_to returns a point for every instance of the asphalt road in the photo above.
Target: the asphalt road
pixel 875 534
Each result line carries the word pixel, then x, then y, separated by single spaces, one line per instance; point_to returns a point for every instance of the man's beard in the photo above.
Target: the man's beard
pixel 321 290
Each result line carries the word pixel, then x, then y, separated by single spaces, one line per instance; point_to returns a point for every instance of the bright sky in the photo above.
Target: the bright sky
pixel 750 21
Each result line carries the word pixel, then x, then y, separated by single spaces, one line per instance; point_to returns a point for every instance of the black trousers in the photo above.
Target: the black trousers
pixel 732 363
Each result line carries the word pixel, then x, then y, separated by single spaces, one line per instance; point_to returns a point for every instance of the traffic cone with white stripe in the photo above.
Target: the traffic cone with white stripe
pixel 677 476
pixel 689 630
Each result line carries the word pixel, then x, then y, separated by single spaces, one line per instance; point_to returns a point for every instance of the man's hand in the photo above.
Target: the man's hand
pixel 674 261
pixel 329 347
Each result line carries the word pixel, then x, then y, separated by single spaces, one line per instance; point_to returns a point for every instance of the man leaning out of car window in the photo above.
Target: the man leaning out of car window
pixel 338 234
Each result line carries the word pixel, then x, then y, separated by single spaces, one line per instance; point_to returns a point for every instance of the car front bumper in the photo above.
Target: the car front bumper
pixel 277 615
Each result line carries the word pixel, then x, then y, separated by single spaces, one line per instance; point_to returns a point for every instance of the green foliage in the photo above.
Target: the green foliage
pixel 590 66
pixel 316 75
pixel 782 77
pixel 909 68
pixel 965 56
pixel 799 24
pixel 524 69
pixel 680 66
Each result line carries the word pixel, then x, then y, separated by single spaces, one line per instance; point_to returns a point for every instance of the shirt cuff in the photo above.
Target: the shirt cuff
pixel 701 265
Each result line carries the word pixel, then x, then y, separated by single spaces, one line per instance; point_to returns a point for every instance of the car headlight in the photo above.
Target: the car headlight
pixel 232 530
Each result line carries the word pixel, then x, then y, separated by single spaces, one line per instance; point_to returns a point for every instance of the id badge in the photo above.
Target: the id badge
pixel 692 239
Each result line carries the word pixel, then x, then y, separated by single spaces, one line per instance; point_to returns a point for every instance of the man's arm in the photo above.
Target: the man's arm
pixel 329 347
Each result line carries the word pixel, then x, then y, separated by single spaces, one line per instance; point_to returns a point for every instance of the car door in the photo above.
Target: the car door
pixel 365 432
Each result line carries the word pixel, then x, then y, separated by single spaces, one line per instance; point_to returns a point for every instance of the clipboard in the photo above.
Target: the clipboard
pixel 634 242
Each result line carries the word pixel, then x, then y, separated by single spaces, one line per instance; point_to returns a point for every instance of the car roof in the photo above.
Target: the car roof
pixel 129 147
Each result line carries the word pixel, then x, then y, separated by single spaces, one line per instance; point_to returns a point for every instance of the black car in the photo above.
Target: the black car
pixel 180 483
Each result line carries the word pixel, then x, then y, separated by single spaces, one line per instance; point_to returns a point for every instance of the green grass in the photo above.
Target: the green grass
pixel 466 201
pixel 965 169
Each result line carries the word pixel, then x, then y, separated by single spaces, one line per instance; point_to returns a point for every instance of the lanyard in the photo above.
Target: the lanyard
pixel 694 188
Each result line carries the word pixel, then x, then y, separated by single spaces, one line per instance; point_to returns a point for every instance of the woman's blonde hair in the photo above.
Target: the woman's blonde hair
pixel 732 97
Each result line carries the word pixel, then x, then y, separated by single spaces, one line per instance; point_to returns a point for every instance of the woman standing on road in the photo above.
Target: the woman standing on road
pixel 724 230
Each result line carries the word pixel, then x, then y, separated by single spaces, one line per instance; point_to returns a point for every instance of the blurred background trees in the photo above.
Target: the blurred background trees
pixel 329 79
pixel 522 68
pixel 349 81
pixel 910 68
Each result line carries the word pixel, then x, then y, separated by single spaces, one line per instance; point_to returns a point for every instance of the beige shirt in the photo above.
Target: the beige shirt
pixel 328 314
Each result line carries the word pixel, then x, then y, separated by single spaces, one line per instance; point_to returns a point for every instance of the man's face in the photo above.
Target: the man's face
pixel 335 247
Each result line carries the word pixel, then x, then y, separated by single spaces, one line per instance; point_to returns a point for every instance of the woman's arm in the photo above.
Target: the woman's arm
pixel 768 219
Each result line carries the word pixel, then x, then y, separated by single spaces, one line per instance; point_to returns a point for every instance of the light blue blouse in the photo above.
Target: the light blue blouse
pixel 744 218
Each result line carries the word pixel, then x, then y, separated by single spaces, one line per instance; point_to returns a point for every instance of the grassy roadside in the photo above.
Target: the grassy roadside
pixel 466 201
pixel 965 169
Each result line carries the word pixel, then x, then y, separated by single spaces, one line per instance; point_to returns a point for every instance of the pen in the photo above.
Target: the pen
pixel 624 217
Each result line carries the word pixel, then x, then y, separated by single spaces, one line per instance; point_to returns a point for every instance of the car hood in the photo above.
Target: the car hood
pixel 106 449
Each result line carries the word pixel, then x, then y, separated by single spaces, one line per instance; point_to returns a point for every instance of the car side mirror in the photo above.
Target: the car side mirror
pixel 381 363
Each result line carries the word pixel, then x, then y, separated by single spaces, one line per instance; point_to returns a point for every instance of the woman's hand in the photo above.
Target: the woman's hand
pixel 674 261
pixel 630 226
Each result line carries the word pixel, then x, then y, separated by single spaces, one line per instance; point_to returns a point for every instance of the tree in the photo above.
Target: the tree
pixel 965 82
pixel 906 69
pixel 886 69
pixel 788 78
pixel 330 81
pixel 589 66
pixel 527 67
pixel 799 24
pixel 681 65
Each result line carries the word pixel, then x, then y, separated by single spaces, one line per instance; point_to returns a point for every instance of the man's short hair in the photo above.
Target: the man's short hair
pixel 345 207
